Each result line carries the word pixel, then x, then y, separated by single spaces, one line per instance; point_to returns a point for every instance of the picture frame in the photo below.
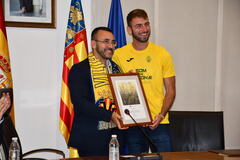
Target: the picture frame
pixel 129 96
pixel 30 13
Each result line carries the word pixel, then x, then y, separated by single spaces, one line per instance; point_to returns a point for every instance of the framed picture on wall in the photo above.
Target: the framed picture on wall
pixel 30 13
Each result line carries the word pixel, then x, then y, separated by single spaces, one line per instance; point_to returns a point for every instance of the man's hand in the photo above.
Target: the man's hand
pixel 170 88
pixel 131 71
pixel 156 122
pixel 116 118
pixel 5 103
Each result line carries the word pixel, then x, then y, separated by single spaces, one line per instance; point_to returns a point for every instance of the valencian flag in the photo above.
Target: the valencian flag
pixel 75 52
pixel 5 68
pixel 115 23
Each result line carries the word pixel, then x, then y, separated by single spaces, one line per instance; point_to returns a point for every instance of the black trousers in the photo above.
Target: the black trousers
pixel 99 145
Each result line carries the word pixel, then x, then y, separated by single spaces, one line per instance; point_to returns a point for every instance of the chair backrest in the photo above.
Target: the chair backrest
pixel 196 131
pixel 25 156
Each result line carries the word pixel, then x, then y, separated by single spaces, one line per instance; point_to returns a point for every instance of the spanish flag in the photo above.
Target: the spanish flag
pixel 75 51
pixel 5 68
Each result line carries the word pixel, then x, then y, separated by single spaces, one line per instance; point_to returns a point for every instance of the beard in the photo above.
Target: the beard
pixel 104 52
pixel 140 38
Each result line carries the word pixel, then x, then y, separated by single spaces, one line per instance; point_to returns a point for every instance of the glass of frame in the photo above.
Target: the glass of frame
pixel 129 95
pixel 30 13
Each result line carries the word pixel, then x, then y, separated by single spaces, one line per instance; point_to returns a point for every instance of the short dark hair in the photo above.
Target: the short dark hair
pixel 94 32
pixel 136 13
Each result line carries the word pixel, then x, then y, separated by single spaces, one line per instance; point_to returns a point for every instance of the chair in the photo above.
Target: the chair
pixel 56 151
pixel 196 131
pixel 8 131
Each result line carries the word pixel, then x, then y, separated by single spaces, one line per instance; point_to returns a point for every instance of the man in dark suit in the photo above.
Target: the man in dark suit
pixel 95 118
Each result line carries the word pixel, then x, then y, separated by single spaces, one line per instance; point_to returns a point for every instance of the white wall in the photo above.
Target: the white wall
pixel 187 28
pixel 231 73
pixel 36 59
pixel 190 29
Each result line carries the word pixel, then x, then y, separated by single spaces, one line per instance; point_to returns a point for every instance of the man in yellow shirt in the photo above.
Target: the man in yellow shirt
pixel 156 69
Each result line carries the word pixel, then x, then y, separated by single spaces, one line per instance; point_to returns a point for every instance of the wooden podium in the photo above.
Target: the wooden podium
pixel 193 155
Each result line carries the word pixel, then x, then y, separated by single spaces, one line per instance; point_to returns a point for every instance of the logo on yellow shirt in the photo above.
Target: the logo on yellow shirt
pixel 128 60
pixel 148 59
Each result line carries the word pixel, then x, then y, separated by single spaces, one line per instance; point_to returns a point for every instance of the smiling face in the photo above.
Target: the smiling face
pixel 103 46
pixel 139 29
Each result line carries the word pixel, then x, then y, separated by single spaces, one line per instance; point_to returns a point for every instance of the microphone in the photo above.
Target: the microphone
pixel 127 112
pixel 153 146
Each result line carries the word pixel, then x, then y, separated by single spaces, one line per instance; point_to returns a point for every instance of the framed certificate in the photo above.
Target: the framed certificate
pixel 129 97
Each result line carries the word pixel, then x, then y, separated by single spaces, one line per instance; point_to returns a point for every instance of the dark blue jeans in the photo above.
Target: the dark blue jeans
pixel 138 143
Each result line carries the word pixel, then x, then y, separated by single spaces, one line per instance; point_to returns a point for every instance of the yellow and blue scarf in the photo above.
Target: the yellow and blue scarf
pixel 102 93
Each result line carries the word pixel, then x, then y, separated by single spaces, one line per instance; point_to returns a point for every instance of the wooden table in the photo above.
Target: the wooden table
pixel 196 155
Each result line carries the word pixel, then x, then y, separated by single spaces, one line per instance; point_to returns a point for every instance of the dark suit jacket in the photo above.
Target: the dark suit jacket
pixel 1 133
pixel 2 143
pixel 7 131
pixel 84 134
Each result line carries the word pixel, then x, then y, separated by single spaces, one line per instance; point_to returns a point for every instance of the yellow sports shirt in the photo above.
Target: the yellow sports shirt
pixel 153 64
